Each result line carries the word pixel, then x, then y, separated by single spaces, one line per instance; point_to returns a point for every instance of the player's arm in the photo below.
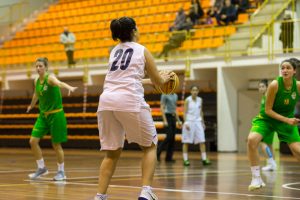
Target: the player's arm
pixel 271 94
pixel 185 109
pixel 157 78
pixel 52 80
pixel 162 110
pixel 147 81
pixel 33 100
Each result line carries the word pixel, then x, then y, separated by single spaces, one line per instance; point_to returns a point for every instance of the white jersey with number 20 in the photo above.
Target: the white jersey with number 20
pixel 123 89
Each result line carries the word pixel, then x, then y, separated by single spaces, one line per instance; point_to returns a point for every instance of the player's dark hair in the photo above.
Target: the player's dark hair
pixel 296 61
pixel 44 60
pixel 264 81
pixel 123 29
pixel 194 86
pixel 293 63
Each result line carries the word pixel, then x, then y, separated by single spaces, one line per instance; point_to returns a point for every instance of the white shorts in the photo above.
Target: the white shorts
pixel 137 127
pixel 195 134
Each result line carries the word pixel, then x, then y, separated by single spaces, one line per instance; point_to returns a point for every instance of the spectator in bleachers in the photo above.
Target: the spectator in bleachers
pixel 196 11
pixel 68 39
pixel 241 5
pixel 227 14
pixel 176 39
pixel 219 4
pixel 287 34
pixel 179 21
pixel 212 13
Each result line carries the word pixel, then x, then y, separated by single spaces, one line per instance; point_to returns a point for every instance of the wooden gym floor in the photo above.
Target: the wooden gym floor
pixel 227 178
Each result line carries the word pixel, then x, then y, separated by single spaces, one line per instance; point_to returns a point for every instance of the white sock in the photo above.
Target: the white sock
pixel 40 163
pixel 102 196
pixel 203 156
pixel 146 187
pixel 255 171
pixel 271 160
pixel 61 167
pixel 185 156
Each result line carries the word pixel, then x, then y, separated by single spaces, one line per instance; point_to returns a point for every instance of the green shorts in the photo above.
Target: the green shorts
pixel 54 123
pixel 266 127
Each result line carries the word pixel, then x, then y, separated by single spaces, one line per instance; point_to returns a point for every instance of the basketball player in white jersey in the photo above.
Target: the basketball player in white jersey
pixel 193 127
pixel 122 108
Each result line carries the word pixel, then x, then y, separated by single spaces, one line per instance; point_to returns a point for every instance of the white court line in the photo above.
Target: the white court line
pixel 158 174
pixel 287 186
pixel 183 191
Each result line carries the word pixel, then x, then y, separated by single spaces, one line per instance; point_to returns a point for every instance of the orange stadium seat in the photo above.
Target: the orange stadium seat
pixel 90 21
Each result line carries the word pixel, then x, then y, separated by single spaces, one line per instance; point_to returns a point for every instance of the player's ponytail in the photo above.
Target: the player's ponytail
pixel 122 29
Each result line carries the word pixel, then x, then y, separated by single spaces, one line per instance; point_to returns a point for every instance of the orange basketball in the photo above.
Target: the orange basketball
pixel 170 86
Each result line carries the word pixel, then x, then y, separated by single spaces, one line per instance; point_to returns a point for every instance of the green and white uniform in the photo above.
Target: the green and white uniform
pixel 284 104
pixel 52 117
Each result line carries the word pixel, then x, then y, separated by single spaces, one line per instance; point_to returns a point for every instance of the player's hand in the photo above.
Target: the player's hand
pixel 293 121
pixel 187 126
pixel 203 125
pixel 179 124
pixel 72 89
pixel 166 75
pixel 165 124
pixel 28 109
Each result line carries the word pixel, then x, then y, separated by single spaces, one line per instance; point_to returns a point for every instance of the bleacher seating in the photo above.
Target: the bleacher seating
pixel 89 20
pixel 16 125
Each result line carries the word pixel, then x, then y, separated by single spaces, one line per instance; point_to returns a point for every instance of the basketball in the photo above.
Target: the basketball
pixel 170 86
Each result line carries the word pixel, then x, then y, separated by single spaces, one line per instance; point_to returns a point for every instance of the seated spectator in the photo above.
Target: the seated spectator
pixel 179 21
pixel 219 4
pixel 176 39
pixel 212 13
pixel 196 11
pixel 242 6
pixel 228 14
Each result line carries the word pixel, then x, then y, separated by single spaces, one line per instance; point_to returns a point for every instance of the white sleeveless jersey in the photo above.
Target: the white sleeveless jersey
pixel 194 109
pixel 123 89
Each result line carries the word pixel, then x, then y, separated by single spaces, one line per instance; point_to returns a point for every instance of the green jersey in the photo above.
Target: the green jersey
pixel 262 105
pixel 49 96
pixel 285 100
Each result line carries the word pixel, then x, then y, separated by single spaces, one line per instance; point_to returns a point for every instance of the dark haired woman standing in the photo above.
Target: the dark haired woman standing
pixel 122 108
pixel 51 118
pixel 282 96
pixel 193 127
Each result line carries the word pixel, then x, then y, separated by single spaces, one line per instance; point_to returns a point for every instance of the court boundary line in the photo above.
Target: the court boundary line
pixel 287 186
pixel 177 190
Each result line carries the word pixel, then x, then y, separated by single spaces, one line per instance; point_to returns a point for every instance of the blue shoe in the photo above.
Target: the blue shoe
pixel 39 172
pixel 60 176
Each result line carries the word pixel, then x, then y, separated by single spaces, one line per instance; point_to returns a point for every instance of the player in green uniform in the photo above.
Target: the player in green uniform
pixel 266 144
pixel 51 118
pixel 282 96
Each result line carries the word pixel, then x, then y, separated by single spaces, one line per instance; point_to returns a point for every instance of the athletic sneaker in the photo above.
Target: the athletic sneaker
pixel 256 183
pixel 206 162
pixel 39 172
pixel 97 197
pixel 147 195
pixel 60 176
pixel 271 166
pixel 186 163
